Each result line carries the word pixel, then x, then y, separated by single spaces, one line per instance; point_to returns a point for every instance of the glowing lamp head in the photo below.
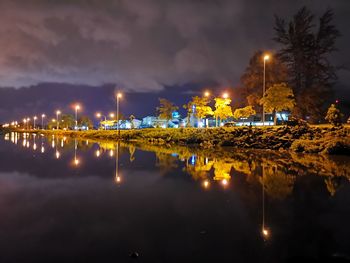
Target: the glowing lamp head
pixel 266 57
pixel 224 182
pixel 225 95
pixel 206 94
pixel 119 95
pixel 35 117
pixel 77 107
pixel 98 115
pixel 58 112
pixel 111 115
pixel 43 115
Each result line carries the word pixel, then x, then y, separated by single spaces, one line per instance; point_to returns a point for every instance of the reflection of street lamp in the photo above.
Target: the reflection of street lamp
pixel 206 184
pixel 76 160
pixel 58 123
pixel 118 178
pixel 42 121
pixel 266 58
pixel 265 232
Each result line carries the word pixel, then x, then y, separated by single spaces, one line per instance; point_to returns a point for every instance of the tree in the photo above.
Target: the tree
pixel 166 109
pixel 334 115
pixel 132 118
pixel 198 107
pixel 223 109
pixel 305 51
pixel 252 78
pixel 277 98
pixel 85 121
pixel 67 121
pixel 245 112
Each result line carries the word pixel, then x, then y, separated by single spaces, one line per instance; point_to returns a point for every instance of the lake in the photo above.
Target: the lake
pixel 63 200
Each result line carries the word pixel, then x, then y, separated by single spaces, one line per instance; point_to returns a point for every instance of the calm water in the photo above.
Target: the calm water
pixel 63 200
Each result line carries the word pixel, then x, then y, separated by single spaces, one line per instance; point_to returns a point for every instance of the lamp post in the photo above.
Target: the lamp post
pixel 119 96
pixel 42 121
pixel 28 119
pixel 266 58
pixel 77 107
pixel 58 123
pixel 34 120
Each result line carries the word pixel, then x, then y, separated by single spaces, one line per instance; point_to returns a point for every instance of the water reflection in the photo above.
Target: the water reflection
pixel 276 172
pixel 262 179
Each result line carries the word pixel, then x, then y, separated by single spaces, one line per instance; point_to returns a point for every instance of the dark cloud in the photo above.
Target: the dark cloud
pixel 141 45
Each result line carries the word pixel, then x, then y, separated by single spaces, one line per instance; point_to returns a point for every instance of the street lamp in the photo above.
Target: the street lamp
pixel 206 94
pixel 42 121
pixel 119 95
pixel 77 107
pixel 225 95
pixel 34 119
pixel 266 58
pixel 58 123
pixel 28 119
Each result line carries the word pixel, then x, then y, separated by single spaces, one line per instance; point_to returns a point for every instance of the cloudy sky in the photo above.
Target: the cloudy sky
pixel 143 45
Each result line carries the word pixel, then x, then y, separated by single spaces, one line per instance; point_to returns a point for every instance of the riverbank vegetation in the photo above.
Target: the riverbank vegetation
pixel 303 138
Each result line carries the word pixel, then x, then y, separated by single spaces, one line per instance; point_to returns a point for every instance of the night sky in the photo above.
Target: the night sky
pixel 55 53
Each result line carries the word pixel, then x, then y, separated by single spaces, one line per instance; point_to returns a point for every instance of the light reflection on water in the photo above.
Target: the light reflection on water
pixel 266 177
pixel 270 168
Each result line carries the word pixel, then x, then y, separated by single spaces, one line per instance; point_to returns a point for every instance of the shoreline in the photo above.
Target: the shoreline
pixel 303 139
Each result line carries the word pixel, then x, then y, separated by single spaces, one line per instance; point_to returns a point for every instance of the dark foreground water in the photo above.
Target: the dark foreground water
pixel 76 201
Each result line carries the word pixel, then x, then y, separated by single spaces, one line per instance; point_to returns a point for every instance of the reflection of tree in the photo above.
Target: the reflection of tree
pixel 165 162
pixel 222 170
pixel 201 168
pixel 332 184
pixel 277 183
pixel 132 149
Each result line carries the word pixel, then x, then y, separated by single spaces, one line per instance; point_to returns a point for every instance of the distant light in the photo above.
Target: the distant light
pixel 58 154
pixel 224 182
pixel 98 153
pixel 206 184
pixel 337 101
pixel 111 153
pixel 119 95
pixel 265 232
pixel 207 94
pixel 42 149
pixel 111 115
pixel 76 162
pixel 266 57
pixel 225 95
